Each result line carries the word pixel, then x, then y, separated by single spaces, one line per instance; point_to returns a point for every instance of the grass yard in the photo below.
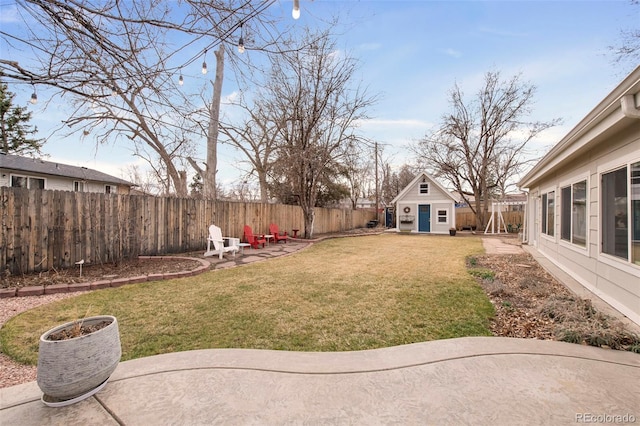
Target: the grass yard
pixel 338 295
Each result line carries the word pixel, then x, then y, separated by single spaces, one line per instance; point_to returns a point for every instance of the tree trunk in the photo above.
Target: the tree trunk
pixel 209 181
pixel 309 216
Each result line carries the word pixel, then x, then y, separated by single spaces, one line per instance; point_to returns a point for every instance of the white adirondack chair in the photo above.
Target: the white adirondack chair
pixel 215 238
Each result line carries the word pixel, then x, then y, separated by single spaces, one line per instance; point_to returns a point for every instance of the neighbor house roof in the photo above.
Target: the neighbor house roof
pixel 33 165
pixel 414 181
pixel 613 113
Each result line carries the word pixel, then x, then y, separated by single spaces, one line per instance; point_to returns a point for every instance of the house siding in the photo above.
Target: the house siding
pixel 59 177
pixel 615 280
pixel 58 183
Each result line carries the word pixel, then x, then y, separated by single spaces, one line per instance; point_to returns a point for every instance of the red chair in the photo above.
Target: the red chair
pixel 277 236
pixel 254 240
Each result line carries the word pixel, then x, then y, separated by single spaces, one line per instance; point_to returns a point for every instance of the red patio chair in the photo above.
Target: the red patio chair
pixel 277 236
pixel 254 240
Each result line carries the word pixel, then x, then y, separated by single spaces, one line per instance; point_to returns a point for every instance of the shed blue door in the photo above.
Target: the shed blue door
pixel 424 218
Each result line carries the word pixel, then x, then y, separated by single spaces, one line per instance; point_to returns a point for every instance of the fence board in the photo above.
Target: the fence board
pixel 43 229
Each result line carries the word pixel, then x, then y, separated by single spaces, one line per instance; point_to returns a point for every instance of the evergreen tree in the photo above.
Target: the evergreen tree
pixel 15 131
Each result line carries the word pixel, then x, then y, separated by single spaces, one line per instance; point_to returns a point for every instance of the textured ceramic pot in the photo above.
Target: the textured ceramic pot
pixel 73 367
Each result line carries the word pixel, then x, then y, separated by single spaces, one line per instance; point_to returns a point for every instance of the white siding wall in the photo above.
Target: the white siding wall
pixel 615 280
pixel 59 183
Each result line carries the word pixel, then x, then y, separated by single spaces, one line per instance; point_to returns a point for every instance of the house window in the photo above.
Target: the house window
pixel 424 188
pixel 573 213
pixel 109 189
pixel 78 186
pixel 544 213
pixel 635 213
pixel 18 181
pixel 579 216
pixel 27 182
pixel 615 223
pixel 548 213
pixel 442 216
pixel 565 213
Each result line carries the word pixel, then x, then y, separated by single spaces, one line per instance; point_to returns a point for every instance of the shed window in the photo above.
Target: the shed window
pixel 442 216
pixel 424 188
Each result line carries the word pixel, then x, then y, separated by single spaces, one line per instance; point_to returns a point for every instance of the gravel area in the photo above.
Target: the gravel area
pixel 12 373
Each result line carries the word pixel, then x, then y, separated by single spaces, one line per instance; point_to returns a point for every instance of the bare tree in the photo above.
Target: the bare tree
pixel 394 182
pixel 313 95
pixel 256 138
pixel 628 50
pixel 119 63
pixel 480 145
pixel 358 171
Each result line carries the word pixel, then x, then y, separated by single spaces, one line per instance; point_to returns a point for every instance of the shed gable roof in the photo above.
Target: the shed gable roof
pixel 415 180
pixel 25 164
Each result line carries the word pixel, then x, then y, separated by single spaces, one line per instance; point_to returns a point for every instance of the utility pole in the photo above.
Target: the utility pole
pixel 377 186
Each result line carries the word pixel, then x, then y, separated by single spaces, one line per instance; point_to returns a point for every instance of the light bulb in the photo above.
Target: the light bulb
pixel 295 13
pixel 204 67
pixel 181 80
pixel 34 98
pixel 241 45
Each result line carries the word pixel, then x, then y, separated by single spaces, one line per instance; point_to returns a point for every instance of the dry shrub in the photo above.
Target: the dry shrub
pixel 577 321
pixel 533 285
pixel 496 288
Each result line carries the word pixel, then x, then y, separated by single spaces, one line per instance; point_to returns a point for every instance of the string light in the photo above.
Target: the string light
pixel 295 13
pixel 204 64
pixel 180 80
pixel 34 96
pixel 241 42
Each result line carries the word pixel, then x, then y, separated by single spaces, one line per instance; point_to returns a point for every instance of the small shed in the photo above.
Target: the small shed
pixel 425 206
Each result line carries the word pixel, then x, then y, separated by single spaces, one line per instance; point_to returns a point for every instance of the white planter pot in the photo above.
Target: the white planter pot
pixel 70 369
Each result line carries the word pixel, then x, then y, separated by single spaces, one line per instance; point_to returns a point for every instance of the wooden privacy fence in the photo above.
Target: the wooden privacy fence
pixel 51 229
pixel 466 220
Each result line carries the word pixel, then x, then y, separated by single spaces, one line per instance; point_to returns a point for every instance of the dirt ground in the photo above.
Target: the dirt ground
pixel 530 303
pixel 96 272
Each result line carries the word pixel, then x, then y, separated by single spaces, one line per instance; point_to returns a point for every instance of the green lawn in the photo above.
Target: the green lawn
pixel 338 295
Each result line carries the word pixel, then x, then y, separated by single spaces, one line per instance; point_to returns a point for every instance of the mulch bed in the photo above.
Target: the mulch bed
pixel 97 272
pixel 530 303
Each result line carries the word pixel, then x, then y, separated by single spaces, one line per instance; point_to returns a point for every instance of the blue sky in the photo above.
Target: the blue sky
pixel 411 53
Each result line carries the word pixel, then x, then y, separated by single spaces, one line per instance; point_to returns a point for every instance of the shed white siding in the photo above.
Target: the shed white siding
pixel 425 197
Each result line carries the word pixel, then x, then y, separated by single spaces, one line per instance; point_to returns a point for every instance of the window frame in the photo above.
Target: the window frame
pixel 78 186
pixel 445 216
pixel 569 213
pixel 624 264
pixel 28 179
pixel 424 185
pixel 547 226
